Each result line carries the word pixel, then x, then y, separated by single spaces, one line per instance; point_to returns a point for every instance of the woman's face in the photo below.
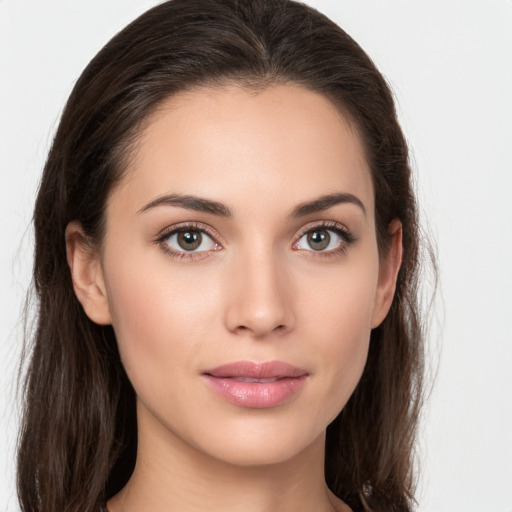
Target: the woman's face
pixel 243 234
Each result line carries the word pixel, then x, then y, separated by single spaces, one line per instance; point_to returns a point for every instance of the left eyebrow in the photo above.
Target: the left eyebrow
pixel 324 203
pixel 189 202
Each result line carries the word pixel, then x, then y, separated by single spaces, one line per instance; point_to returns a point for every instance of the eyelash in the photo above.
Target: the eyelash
pixel 347 240
pixel 192 226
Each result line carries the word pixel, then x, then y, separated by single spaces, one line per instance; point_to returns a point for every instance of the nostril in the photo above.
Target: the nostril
pixel 258 314
pixel 279 329
pixel 242 329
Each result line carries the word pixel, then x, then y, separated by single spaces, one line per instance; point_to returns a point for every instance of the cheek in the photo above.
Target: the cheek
pixel 340 322
pixel 159 317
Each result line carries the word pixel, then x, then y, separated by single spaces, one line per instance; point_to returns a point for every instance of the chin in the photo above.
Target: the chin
pixel 261 440
pixel 263 452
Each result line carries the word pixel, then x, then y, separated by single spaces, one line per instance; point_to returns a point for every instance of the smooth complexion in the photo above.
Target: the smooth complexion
pixel 242 232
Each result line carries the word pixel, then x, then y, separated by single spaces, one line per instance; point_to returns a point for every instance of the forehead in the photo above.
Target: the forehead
pixel 283 143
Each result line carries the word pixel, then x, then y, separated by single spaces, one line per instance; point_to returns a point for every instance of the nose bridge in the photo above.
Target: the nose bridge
pixel 259 295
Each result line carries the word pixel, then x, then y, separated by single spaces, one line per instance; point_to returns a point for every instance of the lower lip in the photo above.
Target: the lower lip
pixel 256 395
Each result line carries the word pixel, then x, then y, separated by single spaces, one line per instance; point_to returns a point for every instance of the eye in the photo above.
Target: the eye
pixel 190 240
pixel 324 238
pixel 187 241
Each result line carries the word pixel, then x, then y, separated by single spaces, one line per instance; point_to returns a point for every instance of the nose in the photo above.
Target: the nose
pixel 259 297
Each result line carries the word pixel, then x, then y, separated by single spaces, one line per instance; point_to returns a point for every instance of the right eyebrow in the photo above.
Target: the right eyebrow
pixel 326 202
pixel 189 202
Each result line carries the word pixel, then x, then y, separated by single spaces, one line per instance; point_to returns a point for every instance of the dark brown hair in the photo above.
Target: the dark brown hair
pixel 78 436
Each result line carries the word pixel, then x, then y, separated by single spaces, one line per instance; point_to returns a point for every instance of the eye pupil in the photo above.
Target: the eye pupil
pixel 319 239
pixel 189 240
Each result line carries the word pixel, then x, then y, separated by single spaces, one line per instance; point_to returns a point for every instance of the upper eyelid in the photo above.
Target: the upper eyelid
pixel 199 226
pixel 326 224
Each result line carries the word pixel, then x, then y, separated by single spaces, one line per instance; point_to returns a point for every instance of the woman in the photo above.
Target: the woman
pixel 226 262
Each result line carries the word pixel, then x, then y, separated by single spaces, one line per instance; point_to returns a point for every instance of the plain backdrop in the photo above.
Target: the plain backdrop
pixel 449 63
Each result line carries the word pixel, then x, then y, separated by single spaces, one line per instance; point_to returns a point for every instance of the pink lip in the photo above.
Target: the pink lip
pixel 256 385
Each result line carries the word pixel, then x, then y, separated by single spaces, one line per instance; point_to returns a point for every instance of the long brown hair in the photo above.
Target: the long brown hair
pixel 78 436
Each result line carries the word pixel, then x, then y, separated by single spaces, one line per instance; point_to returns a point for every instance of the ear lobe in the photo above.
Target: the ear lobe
pixel 87 275
pixel 388 274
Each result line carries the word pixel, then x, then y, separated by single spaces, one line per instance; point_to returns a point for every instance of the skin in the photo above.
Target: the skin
pixel 255 290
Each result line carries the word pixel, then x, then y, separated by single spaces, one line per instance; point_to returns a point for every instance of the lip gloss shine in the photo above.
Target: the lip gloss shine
pixel 256 385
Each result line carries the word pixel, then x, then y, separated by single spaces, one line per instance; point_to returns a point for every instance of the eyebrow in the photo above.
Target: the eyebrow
pixel 324 203
pixel 198 204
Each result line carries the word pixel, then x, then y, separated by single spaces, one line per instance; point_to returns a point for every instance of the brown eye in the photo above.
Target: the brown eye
pixel 318 239
pixel 189 240
pixel 325 239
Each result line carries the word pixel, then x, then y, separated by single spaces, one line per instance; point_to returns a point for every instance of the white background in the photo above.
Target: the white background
pixel 450 65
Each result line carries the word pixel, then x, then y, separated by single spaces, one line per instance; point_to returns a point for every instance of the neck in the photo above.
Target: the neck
pixel 172 476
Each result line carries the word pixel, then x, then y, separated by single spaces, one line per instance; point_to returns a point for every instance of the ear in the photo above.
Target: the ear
pixel 87 275
pixel 388 273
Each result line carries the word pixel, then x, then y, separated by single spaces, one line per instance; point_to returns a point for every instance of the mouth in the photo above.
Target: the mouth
pixel 256 385
pixel 250 379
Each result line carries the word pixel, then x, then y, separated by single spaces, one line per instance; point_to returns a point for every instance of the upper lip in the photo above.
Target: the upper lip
pixel 256 370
